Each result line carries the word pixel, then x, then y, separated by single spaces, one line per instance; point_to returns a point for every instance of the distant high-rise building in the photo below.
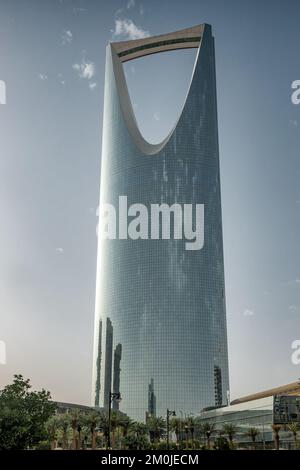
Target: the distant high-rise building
pixel 151 399
pixel 96 400
pixel 164 304
pixel 218 386
pixel 107 370
pixel 117 372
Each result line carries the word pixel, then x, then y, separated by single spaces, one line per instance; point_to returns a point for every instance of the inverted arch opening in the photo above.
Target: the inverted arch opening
pixel 154 47
pixel 158 85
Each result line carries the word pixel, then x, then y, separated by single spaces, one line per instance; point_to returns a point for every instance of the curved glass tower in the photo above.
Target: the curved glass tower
pixel 160 321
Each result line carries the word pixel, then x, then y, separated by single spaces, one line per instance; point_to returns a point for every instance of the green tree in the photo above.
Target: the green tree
pixel 103 425
pixel 175 426
pixel 156 427
pixel 276 428
pixel 208 429
pixel 85 429
pixel 64 423
pixel 191 425
pixel 23 415
pixel 252 433
pixel 75 425
pixel 230 430
pixel 137 438
pixel 52 428
pixel 186 430
pixel 115 421
pixel 294 428
pixel 221 443
pixel 93 419
pixel 125 424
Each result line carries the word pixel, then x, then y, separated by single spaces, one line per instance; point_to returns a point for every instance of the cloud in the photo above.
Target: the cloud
pixel 59 250
pixel 127 29
pixel 141 10
pixel 78 10
pixel 85 69
pixel 294 123
pixel 293 308
pixel 248 313
pixel 294 282
pixel 43 76
pixel 92 85
pixel 61 79
pixel 130 4
pixel 156 116
pixel 66 37
pixel 119 11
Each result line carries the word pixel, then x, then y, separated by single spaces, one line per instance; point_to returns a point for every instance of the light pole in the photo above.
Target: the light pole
pixel 112 396
pixel 181 425
pixel 263 429
pixel 169 413
pixel 186 428
pixel 191 427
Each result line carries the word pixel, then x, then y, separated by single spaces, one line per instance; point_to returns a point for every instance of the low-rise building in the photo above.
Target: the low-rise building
pixel 278 406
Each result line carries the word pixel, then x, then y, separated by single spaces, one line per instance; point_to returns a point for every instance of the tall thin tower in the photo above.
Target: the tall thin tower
pixel 162 306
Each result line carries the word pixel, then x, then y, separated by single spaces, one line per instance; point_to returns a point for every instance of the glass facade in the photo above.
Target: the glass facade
pixel 160 309
pixel 261 414
pixel 254 414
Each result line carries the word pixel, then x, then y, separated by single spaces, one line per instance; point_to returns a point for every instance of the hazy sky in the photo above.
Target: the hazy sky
pixel 52 56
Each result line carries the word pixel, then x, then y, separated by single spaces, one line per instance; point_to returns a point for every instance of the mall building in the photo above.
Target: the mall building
pixel 280 406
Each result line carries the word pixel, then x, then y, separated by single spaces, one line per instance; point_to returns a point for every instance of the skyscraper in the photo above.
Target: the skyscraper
pixel 151 399
pixel 162 306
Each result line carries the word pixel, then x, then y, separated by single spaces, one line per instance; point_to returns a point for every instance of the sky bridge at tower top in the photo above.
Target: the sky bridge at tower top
pixel 184 39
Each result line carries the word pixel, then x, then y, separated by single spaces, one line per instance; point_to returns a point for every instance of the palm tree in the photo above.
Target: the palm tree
pixel 294 428
pixel 276 428
pixel 84 430
pixel 103 425
pixel 140 430
pixel 79 441
pixel 175 426
pixel 191 425
pixel 230 430
pixel 74 425
pixel 52 426
pixel 252 433
pixel 64 423
pixel 137 437
pixel 114 423
pixel 92 420
pixel 125 423
pixel 208 429
pixel 186 430
pixel 156 427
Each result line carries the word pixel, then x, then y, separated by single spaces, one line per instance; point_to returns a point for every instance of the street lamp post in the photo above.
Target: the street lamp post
pixel 169 413
pixel 181 425
pixel 112 396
